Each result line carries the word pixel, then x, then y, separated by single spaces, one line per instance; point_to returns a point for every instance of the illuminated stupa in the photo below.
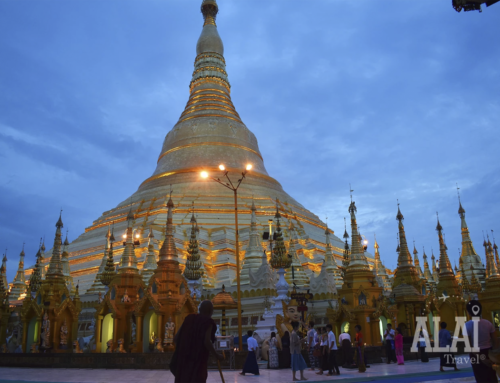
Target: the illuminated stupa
pixel 209 132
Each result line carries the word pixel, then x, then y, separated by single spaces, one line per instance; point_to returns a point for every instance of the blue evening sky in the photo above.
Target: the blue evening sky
pixel 399 98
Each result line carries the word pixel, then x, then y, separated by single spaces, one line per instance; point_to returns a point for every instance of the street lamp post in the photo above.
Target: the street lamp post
pixel 231 186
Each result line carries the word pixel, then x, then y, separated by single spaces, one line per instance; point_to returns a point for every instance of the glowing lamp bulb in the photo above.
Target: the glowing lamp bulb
pixel 222 167
pixel 137 235
pixel 204 174
pixel 249 167
pixel 124 235
pixel 365 242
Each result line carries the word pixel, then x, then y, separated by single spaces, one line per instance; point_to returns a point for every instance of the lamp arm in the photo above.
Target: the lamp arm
pixel 222 183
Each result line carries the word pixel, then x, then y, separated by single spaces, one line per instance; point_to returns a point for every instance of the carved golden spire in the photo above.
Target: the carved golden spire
pixel 435 272
pixel 209 9
pixel 168 251
pixel 475 286
pixel 55 272
pixel 379 268
pixel 65 266
pixel 357 261
pixel 464 280
pixel 109 270
pixel 149 266
pixel 128 261
pixel 280 258
pixel 468 254
pixel 330 263
pixel 192 271
pixel 406 273
pixel 36 276
pixel 417 262
pixel 18 290
pixel 495 247
pixel 447 281
pixel 97 286
pixel 4 270
pixel 345 261
pixel 491 266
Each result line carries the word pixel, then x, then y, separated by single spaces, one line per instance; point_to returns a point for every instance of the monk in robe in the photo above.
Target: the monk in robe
pixel 194 342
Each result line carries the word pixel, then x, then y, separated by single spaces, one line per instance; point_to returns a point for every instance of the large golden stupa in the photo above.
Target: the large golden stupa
pixel 209 132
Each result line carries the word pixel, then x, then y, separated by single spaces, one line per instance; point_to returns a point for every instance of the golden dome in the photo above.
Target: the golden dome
pixel 224 300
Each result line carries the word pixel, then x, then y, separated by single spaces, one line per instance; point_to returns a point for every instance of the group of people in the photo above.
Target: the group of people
pixel 195 342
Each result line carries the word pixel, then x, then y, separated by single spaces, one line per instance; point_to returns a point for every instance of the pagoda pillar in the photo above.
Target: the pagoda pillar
pixel 115 330
pixel 98 335
pixel 160 327
pixel 25 335
pixel 138 333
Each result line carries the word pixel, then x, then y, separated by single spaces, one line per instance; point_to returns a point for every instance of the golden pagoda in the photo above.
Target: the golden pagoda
pixel 167 300
pixel 209 132
pixel 359 294
pixel 468 258
pixel 408 288
pixel 18 290
pixel 430 282
pixel 149 266
pixel 125 287
pixel 448 301
pixel 490 297
pixel 4 310
pixel 51 316
pixel 379 270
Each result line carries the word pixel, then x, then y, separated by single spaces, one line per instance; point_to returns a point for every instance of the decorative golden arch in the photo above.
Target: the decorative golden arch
pixel 68 303
pixel 146 301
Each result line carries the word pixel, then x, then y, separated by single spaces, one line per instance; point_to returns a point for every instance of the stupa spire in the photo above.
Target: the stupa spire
pixel 36 276
pixel 208 121
pixel 491 265
pixel 97 286
pixel 445 267
pixel 468 256
pixel 253 252
pixel 192 271
pixel 357 259
pixel 330 263
pixel 495 248
pixel 406 273
pixel 3 269
pixel 168 251
pixel 128 261
pixel 417 262
pixel 379 269
pixel 149 266
pixel 447 281
pixel 55 271
pixel 298 275
pixel 345 261
pixel 18 290
pixel 65 266
pixel 435 272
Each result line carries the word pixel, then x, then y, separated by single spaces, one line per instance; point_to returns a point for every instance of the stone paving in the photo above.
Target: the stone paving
pixel 412 371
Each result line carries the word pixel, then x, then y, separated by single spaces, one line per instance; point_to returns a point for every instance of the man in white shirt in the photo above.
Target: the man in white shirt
pixel 251 365
pixel 389 343
pixel 481 365
pixel 332 356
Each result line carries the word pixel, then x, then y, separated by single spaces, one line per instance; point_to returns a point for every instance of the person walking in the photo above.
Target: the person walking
pixel 273 351
pixel 398 345
pixel 447 359
pixel 298 362
pixel 332 348
pixel 320 345
pixel 360 349
pixel 389 343
pixel 311 344
pixel 251 365
pixel 421 346
pixel 193 343
pixel 483 372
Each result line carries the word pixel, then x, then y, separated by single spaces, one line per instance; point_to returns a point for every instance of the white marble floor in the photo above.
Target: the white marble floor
pixel 274 376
